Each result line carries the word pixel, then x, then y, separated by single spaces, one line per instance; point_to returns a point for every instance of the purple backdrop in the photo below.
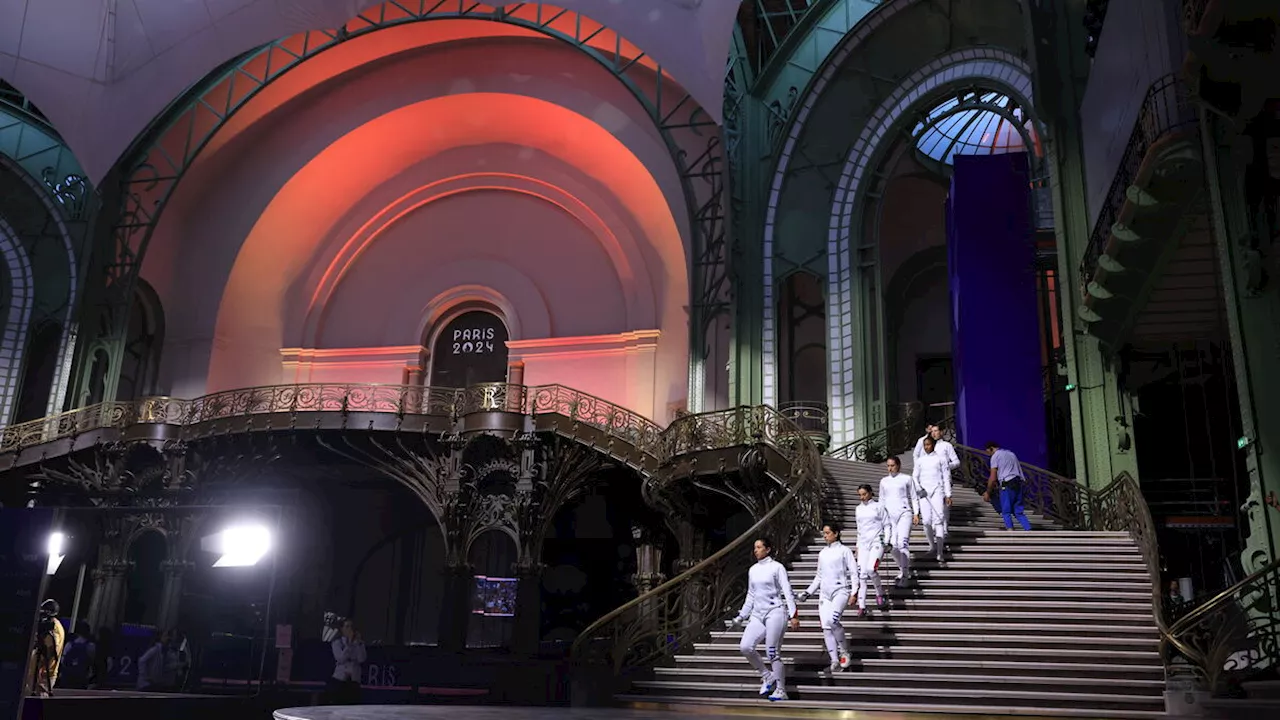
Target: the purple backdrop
pixel 995 328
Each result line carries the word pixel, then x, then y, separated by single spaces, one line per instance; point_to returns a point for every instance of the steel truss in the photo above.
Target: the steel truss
pixel 173 143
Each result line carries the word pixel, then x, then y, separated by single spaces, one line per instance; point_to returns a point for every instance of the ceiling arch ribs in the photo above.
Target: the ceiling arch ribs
pixel 898 52
pixel 154 167
pixel 34 151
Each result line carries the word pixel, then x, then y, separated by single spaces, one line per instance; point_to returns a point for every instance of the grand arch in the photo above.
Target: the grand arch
pixel 813 216
pixel 689 134
pixel 16 323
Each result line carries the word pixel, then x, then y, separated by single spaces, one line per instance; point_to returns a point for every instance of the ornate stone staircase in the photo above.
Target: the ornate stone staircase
pixel 1051 622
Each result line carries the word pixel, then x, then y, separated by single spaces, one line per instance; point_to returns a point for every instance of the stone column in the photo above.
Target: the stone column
pixel 455 607
pixel 528 621
pixel 171 595
pixel 108 594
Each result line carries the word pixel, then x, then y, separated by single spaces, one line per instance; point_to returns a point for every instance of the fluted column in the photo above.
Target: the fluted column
pixel 108 594
pixel 171 595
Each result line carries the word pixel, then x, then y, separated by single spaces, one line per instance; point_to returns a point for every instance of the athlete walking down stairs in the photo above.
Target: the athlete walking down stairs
pixel 766 610
pixel 901 501
pixel 834 585
pixel 932 473
pixel 873 526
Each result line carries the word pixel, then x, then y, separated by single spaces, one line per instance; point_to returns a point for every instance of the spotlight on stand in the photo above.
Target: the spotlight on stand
pixel 54 548
pixel 239 545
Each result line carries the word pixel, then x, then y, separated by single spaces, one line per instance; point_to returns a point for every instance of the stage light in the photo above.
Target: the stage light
pixel 242 545
pixel 54 548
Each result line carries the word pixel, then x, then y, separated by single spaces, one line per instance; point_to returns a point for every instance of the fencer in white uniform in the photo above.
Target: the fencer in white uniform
pixel 873 526
pixel 769 608
pixel 834 585
pixel 932 473
pixel 940 446
pixel 901 500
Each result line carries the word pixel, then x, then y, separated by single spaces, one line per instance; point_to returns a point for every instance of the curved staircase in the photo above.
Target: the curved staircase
pixel 1050 623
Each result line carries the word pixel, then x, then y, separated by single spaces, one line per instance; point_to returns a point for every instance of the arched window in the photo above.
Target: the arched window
pixel 802 316
pixel 141 360
pixel 471 349
pixel 40 363
pixel 975 122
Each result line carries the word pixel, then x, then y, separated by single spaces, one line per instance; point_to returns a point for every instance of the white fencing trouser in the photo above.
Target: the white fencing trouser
pixel 869 569
pixel 933 513
pixel 901 546
pixel 769 629
pixel 830 610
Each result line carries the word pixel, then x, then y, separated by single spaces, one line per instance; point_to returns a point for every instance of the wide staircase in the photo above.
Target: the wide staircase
pixel 1051 622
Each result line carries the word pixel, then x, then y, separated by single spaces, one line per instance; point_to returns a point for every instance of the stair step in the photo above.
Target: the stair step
pixel 810 564
pixel 969 653
pixel 1033 633
pixel 957 696
pixel 802 674
pixel 697 706
pixel 861 666
pixel 898 614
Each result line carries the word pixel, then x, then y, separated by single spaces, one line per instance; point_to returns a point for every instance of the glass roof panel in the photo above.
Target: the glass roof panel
pixel 954 128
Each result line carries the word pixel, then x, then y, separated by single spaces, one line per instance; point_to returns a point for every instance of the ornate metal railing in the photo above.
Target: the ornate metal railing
pixel 811 417
pixel 612 419
pixel 1167 108
pixel 683 610
pixel 1062 500
pixel 1234 635
pixel 893 439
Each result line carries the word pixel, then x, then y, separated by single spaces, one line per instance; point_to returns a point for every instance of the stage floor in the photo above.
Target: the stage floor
pixel 508 712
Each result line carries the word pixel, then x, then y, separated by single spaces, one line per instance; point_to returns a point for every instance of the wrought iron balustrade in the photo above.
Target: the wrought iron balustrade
pixel 811 417
pixel 676 614
pixel 1167 109
pixel 896 438
pixel 579 407
pixel 1233 636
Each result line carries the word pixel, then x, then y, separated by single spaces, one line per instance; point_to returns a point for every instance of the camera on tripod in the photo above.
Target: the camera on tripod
pixel 48 616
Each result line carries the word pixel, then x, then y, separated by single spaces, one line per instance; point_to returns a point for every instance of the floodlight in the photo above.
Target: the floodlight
pixel 242 545
pixel 53 547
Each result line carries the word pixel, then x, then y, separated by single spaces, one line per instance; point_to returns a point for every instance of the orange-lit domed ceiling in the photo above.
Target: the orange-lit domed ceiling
pixel 102 77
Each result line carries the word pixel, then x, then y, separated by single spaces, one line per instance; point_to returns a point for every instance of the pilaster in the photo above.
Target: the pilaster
pixel 527 633
pixel 1248 261
pixel 1103 443
pixel 171 595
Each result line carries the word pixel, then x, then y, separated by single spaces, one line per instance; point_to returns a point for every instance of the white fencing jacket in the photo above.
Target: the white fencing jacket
pixel 941 447
pixel 837 567
pixel 768 589
pixel 932 472
pixel 873 523
pixel 898 494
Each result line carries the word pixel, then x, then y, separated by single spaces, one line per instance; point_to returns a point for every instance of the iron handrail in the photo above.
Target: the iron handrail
pixel 1166 109
pixel 675 614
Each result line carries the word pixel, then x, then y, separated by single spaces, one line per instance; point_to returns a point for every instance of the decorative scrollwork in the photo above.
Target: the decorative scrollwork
pixel 893 439
pixel 681 611
pixel 1233 636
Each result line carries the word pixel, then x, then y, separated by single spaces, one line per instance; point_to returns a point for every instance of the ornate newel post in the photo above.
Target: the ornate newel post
pixel 108 594
pixel 648 573
pixel 171 595
pixel 527 633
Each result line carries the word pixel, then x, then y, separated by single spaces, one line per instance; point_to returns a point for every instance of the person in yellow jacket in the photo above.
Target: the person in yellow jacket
pixel 47 654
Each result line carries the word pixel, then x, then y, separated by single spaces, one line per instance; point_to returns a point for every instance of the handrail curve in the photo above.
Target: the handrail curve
pixel 1234 634
pixel 684 609
pixel 892 439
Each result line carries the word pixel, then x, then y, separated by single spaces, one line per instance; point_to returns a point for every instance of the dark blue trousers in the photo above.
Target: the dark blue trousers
pixel 1011 505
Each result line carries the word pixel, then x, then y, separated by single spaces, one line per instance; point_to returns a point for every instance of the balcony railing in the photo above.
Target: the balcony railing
pixel 1166 109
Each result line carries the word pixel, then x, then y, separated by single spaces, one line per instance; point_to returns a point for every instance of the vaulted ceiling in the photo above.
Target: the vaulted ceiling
pixel 101 72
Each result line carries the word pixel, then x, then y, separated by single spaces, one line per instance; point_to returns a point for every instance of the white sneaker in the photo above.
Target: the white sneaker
pixel 835 666
pixel 844 661
pixel 766 687
pixel 778 694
